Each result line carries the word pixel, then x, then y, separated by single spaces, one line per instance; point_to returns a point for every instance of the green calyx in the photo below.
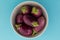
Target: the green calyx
pixel 17 26
pixel 34 32
pixel 23 9
pixel 34 10
pixel 35 24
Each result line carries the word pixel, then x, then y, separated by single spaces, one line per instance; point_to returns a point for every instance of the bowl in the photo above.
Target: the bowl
pixel 14 13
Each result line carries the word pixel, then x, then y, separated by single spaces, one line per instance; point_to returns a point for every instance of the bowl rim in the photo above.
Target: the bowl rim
pixel 25 3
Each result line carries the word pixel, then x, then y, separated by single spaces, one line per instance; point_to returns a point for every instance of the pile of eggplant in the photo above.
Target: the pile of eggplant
pixel 29 21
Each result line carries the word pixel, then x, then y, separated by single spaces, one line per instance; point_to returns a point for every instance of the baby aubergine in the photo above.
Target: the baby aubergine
pixel 26 9
pixel 36 11
pixel 25 30
pixel 42 22
pixel 27 20
pixel 19 18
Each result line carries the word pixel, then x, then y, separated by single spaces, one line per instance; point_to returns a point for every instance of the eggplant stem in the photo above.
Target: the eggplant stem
pixel 17 26
pixel 34 32
pixel 35 24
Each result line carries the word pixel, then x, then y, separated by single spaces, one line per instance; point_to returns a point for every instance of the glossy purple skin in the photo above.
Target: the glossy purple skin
pixel 38 13
pixel 41 21
pixel 27 20
pixel 25 30
pixel 19 18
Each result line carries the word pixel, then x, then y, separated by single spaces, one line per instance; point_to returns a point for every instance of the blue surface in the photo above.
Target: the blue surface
pixel 53 30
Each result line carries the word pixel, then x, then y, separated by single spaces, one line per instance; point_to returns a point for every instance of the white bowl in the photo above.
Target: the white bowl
pixel 29 3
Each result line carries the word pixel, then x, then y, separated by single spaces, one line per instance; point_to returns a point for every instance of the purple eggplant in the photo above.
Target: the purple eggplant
pixel 36 11
pixel 41 21
pixel 19 18
pixel 27 20
pixel 25 9
pixel 25 30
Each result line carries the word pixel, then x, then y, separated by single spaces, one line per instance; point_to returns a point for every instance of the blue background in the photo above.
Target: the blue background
pixel 53 30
